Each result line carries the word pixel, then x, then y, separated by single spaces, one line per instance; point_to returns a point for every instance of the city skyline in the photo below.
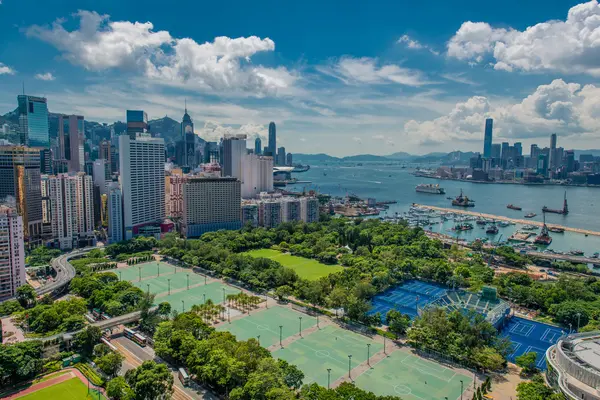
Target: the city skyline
pixel 419 82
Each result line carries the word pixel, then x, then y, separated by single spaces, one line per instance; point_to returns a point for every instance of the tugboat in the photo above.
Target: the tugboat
pixel 513 207
pixel 492 230
pixel 530 215
pixel 544 237
pixel 463 201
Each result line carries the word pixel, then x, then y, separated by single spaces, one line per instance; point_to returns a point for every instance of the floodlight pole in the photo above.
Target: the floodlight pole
pixel 280 335
pixel 328 377
pixel 349 366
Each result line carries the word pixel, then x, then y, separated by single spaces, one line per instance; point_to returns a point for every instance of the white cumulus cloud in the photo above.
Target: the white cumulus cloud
pixel 45 76
pixel 414 44
pixel 5 69
pixel 569 46
pixel 366 70
pixel 221 65
pixel 213 131
pixel 559 107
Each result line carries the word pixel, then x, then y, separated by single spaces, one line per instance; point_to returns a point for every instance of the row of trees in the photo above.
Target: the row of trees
pixel 238 369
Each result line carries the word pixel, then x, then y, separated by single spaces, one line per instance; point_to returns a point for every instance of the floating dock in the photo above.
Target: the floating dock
pixel 508 219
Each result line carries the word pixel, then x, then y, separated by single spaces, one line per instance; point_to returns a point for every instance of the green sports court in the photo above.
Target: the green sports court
pixel 325 348
pixel 176 281
pixel 145 270
pixel 185 299
pixel 266 323
pixel 413 378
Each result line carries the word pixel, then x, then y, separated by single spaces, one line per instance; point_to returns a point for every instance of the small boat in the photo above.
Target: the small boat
pixel 530 228
pixel 503 224
pixel 513 207
pixel 463 227
pixel 463 201
pixel 596 255
pixel 576 253
pixel 481 222
pixel 449 198
pixel 492 230
pixel 556 229
pixel 530 215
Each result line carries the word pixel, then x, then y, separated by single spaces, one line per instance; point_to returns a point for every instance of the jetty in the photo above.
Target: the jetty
pixel 507 219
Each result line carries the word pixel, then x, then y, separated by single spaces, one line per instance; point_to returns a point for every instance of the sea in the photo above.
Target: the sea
pixel 395 182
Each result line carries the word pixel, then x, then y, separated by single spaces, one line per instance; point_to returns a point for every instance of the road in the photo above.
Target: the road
pixel 135 355
pixel 64 271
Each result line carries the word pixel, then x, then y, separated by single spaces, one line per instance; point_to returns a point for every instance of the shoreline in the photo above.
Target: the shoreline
pixel 508 219
pixel 505 182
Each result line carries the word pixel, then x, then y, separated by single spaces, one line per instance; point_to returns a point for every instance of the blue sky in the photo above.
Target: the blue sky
pixel 342 77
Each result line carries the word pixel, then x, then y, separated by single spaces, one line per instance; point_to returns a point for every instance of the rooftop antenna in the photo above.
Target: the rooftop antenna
pixel 185 101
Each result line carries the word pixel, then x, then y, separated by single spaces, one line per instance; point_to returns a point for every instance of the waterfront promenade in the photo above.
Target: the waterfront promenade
pixel 501 218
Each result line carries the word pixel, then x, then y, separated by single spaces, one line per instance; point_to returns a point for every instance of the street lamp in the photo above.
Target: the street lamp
pixel 328 377
pixel 158 267
pixel 349 366
pixel 384 340
pixel 169 281
pixel 204 296
pixel 258 338
pixel 148 285
pixel 139 273
pixel 461 389
pixel 300 331
pixel 280 335
pixel 182 306
pixel 369 354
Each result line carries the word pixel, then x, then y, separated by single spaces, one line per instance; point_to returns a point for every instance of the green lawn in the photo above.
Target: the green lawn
pixel 306 268
pixel 73 389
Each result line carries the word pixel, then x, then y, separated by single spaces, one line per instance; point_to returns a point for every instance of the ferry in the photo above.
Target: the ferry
pixel 530 215
pixel 463 201
pixel 430 188
pixel 513 207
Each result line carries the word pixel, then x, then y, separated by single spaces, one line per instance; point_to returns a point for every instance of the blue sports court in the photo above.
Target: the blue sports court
pixel 406 298
pixel 528 336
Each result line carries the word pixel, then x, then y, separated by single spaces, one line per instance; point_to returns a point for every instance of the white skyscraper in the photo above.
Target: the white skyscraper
pixel 142 164
pixel 101 171
pixel 72 209
pixel 234 150
pixel 257 175
pixel 115 213
pixel 12 258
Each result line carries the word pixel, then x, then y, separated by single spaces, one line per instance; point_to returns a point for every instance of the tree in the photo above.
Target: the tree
pixel 164 309
pixel 118 389
pixel 150 381
pixel 536 390
pixel 527 362
pixel 110 363
pixel 26 295
pixel 397 322
pixel 488 359
pixel 87 339
pixel 573 313
pixel 292 376
pixel 283 291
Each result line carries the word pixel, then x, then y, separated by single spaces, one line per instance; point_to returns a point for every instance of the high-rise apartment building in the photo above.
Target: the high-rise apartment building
pixel 553 160
pixel 234 150
pixel 101 174
pixel 12 256
pixel 257 175
pixel 281 156
pixel 33 121
pixel 211 204
pixel 269 213
pixel 250 214
pixel 46 207
pixel 289 161
pixel 142 164
pixel 496 151
pixel 257 146
pixel 506 152
pixel 291 209
pixel 174 181
pixel 72 204
pixel 71 137
pixel 105 152
pixel 137 123
pixel 518 149
pixel 487 140
pixel 115 213
pixel 20 179
pixel 309 209
pixel 272 140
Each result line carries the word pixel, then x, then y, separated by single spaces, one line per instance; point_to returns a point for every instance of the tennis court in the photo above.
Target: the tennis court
pixel 265 323
pixel 527 336
pixel 411 377
pixel 185 299
pixel 179 280
pixel 406 298
pixel 326 348
pixel 146 270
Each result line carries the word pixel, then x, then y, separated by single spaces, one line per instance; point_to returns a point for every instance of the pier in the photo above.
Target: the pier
pixel 507 219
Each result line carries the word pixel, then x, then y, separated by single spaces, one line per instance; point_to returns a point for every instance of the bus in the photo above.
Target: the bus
pixel 129 333
pixel 139 339
pixel 184 377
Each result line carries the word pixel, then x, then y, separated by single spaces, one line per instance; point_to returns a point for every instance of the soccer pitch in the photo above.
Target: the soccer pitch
pixel 328 348
pixel 411 377
pixel 306 268
pixel 73 389
pixel 266 323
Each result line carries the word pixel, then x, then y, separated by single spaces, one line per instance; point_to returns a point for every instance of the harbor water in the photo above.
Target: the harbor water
pixel 393 182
